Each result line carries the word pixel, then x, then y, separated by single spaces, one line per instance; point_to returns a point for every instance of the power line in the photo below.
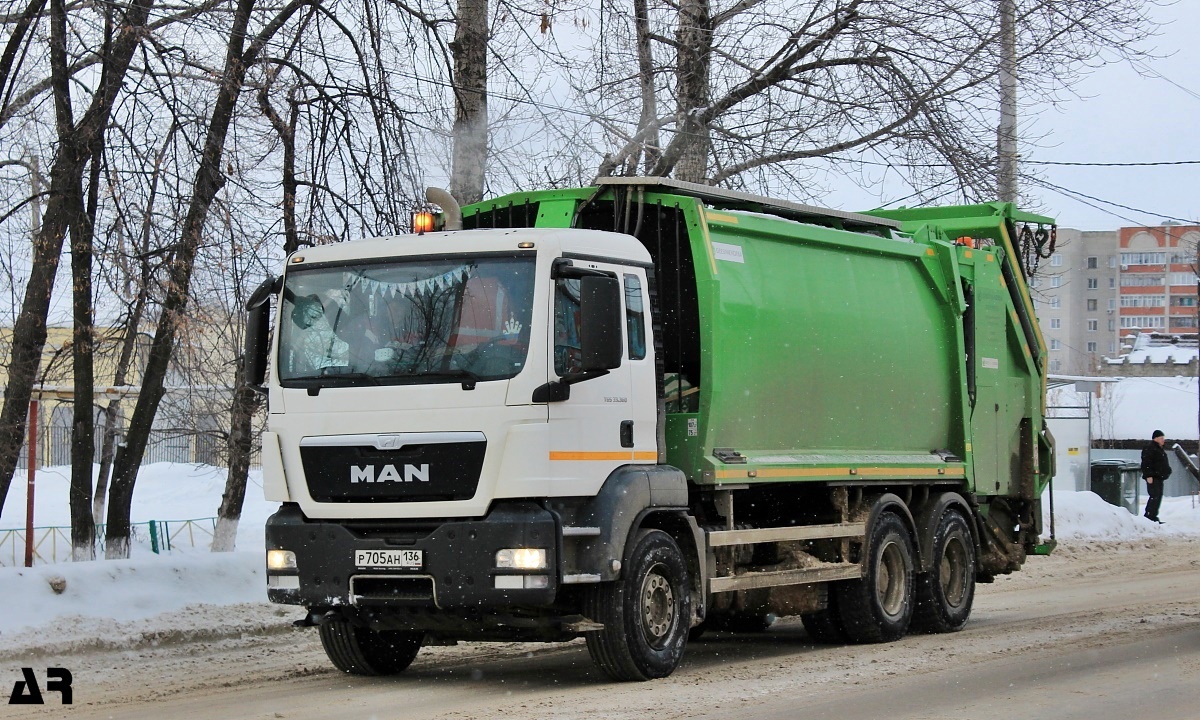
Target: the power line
pixel 1151 71
pixel 1068 191
pixel 1112 164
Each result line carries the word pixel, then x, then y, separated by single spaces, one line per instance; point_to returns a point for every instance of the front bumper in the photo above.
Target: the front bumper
pixel 459 560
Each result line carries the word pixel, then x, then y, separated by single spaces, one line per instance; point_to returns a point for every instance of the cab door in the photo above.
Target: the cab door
pixel 599 425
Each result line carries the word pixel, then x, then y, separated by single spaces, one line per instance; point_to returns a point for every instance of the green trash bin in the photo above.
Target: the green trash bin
pixel 1117 483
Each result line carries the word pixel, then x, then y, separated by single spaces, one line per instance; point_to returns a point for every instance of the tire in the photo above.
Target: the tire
pixel 825 626
pixel 945 593
pixel 362 651
pixel 879 606
pixel 646 612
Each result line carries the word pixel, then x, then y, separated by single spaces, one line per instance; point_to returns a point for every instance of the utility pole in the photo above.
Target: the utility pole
pixel 1006 135
pixel 31 455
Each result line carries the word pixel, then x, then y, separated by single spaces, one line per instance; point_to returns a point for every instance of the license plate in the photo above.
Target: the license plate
pixel 388 558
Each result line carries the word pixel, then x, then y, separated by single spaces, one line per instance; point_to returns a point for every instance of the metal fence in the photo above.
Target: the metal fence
pixel 170 445
pixel 53 544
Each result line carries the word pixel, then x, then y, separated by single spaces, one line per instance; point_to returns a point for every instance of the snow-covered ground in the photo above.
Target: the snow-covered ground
pixel 151 595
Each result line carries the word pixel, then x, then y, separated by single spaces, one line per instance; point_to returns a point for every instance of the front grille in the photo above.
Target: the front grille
pixel 390 588
pixel 414 473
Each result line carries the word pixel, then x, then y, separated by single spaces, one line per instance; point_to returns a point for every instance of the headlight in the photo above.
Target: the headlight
pixel 281 560
pixel 521 558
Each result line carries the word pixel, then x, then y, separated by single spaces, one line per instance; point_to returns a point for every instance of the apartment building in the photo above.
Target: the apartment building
pixel 1076 296
pixel 1158 279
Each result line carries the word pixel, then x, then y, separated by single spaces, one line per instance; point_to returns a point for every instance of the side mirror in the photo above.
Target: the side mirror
pixel 600 322
pixel 258 333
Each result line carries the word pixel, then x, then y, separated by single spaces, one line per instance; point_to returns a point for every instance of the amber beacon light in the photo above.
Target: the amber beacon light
pixel 422 222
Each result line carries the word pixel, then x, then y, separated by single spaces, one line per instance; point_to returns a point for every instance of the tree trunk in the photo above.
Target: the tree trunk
pixel 695 54
pixel 209 180
pixel 76 145
pixel 470 101
pixel 83 526
pixel 241 444
pixel 107 445
pixel 649 117
pixel 286 130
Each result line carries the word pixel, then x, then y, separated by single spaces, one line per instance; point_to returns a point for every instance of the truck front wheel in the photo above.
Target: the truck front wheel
pixel 362 651
pixel 879 606
pixel 646 613
pixel 945 593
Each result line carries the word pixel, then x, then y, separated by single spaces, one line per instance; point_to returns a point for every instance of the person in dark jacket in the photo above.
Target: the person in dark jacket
pixel 1155 469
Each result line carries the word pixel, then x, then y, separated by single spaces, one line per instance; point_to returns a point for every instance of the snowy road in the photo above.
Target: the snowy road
pixel 1100 630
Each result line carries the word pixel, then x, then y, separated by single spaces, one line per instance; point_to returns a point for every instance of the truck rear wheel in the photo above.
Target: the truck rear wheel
pixel 879 606
pixel 646 613
pixel 945 593
pixel 362 651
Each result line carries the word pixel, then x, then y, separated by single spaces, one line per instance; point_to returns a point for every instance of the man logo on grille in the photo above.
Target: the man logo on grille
pixel 367 474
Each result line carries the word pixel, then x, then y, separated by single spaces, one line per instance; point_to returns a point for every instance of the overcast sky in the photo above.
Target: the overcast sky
pixel 1122 116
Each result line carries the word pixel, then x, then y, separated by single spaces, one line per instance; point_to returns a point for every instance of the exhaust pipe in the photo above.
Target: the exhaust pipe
pixel 451 211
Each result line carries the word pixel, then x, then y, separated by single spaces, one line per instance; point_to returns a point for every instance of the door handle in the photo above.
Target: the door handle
pixel 627 433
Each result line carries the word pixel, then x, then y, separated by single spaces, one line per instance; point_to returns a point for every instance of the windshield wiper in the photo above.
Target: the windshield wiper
pixel 337 373
pixel 469 378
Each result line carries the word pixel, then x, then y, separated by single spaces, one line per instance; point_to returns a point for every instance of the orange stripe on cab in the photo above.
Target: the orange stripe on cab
pixel 622 455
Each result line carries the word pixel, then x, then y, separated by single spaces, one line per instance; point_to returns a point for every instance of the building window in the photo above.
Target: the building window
pixel 1055 323
pixel 1183 301
pixel 1143 258
pixel 1112 347
pixel 1093 283
pixel 1055 344
pixel 1056 366
pixel 1183 321
pixel 1093 325
pixel 1143 300
pixel 1112 326
pixel 1055 282
pixel 1056 261
pixel 1091 347
pixel 1055 303
pixel 1141 280
pixel 1093 263
pixel 1112 304
pixel 1143 321
pixel 1112 261
pixel 1091 304
pixel 1183 278
pixel 1112 282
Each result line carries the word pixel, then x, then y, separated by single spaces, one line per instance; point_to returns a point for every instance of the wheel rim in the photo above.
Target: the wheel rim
pixel 658 606
pixel 890 580
pixel 954 572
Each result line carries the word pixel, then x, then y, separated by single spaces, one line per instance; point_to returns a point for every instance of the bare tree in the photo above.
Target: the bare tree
pixel 78 142
pixel 209 180
pixel 765 90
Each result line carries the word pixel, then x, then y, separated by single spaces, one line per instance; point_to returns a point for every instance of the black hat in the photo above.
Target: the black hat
pixel 1157 434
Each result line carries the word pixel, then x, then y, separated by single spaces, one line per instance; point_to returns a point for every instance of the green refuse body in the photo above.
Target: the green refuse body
pixel 823 348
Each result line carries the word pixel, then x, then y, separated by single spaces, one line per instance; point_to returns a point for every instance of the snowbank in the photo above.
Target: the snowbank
pixel 123 590
pixel 1084 515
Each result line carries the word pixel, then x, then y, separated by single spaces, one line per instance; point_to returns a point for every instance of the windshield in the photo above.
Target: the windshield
pixel 427 320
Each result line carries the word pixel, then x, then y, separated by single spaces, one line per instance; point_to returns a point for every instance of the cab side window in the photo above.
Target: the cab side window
pixel 635 317
pixel 568 358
